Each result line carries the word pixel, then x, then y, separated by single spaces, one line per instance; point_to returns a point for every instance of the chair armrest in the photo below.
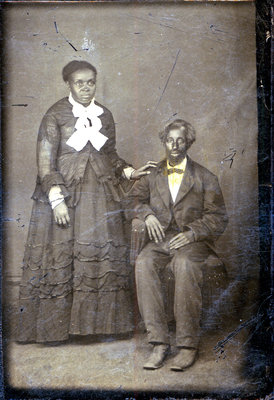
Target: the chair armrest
pixel 139 238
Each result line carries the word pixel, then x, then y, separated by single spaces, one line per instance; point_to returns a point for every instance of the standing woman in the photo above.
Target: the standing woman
pixel 75 274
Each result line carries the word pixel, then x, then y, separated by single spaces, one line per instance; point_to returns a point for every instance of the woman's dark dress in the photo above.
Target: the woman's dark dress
pixel 76 280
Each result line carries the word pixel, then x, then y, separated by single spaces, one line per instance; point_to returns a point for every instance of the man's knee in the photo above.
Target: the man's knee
pixel 188 262
pixel 144 256
pixel 192 253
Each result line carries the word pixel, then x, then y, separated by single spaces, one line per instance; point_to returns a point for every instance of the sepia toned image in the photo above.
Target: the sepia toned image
pixel 131 221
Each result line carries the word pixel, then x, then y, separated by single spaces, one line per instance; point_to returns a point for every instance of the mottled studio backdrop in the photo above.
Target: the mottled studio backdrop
pixel 155 62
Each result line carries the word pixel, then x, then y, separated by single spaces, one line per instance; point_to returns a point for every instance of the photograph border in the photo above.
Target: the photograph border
pixel 262 339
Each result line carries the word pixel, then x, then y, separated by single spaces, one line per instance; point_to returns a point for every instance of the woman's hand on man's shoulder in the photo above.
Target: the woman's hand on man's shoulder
pixel 144 170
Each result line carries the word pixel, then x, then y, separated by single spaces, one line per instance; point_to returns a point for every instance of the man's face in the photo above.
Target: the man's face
pixel 176 146
pixel 82 84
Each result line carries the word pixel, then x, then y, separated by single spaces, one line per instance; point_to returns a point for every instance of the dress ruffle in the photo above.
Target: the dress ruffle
pixel 46 283
pixel 59 255
pixel 102 312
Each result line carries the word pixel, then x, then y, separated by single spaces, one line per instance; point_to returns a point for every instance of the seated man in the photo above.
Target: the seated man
pixel 184 212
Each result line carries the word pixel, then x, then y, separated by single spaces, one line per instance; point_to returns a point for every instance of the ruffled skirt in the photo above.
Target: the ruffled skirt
pixel 76 280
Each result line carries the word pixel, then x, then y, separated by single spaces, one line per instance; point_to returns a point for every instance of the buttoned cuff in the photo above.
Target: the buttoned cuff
pixel 52 179
pixel 55 196
pixel 127 172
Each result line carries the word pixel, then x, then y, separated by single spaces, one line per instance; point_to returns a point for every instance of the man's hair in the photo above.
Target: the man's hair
pixel 76 66
pixel 189 131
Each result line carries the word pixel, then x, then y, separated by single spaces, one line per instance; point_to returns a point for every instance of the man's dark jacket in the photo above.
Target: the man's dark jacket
pixel 199 205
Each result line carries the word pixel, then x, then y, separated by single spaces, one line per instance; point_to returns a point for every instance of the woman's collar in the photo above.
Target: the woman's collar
pixel 75 103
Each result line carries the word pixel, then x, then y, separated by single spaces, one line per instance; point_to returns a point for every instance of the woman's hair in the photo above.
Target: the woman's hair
pixel 189 131
pixel 76 66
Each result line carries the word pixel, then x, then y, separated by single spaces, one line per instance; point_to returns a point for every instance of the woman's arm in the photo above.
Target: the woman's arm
pixel 51 180
pixel 47 147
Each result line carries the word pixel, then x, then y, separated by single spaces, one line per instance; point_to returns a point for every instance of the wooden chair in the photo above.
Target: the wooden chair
pixel 215 280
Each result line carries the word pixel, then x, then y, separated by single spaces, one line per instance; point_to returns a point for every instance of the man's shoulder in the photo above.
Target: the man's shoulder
pixel 156 170
pixel 201 171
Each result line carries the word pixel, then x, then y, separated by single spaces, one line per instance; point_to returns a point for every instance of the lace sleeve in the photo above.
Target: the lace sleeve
pixel 47 147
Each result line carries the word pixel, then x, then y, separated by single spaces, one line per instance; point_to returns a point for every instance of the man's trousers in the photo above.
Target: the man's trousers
pixel 186 264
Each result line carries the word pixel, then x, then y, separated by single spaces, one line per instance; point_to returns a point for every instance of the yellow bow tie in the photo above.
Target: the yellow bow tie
pixel 175 170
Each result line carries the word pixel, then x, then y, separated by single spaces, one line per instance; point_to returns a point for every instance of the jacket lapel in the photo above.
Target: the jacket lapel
pixel 187 182
pixel 162 183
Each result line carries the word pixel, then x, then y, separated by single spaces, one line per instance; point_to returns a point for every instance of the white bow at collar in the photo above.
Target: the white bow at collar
pixel 87 126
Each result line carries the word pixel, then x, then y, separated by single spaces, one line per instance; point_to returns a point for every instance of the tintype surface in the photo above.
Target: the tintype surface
pixel 155 63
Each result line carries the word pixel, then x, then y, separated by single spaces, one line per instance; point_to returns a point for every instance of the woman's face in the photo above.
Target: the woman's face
pixel 82 84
